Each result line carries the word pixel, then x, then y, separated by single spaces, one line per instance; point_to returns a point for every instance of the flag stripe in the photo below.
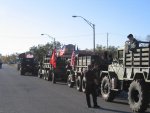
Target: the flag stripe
pixel 53 59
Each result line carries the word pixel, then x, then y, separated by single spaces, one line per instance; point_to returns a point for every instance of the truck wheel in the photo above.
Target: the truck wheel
pixel 48 76
pixel 35 73
pixel 39 74
pixel 79 83
pixel 107 93
pixel 22 72
pixel 53 78
pixel 18 67
pixel 83 84
pixel 138 96
pixel 44 76
pixel 69 81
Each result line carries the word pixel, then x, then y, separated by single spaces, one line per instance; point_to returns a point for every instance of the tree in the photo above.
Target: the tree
pixel 112 50
pixel 41 50
pixel 148 38
pixel 10 58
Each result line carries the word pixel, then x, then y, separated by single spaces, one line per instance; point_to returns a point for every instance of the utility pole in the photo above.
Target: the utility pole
pixel 107 41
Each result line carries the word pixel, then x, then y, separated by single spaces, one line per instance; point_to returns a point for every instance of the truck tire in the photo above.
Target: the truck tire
pixel 39 73
pixel 107 93
pixel 84 84
pixel 79 83
pixel 138 96
pixel 18 67
pixel 44 75
pixel 22 72
pixel 69 81
pixel 48 77
pixel 53 78
pixel 36 73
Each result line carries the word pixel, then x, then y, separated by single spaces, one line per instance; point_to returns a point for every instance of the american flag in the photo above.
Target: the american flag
pixel 62 51
pixel 72 63
pixel 53 59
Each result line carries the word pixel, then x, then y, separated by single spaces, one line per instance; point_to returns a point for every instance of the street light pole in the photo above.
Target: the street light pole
pixel 94 37
pixel 93 26
pixel 51 38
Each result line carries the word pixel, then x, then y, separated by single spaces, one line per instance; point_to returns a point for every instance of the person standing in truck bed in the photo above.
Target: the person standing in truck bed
pixel 133 43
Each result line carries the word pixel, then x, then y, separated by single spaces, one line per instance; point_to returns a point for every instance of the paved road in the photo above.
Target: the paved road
pixel 28 94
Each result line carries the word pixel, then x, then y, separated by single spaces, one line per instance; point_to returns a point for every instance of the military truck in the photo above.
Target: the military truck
pixel 28 64
pixel 48 72
pixel 129 72
pixel 45 68
pixel 82 60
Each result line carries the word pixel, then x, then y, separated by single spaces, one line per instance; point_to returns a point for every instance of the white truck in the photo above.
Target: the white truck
pixel 130 72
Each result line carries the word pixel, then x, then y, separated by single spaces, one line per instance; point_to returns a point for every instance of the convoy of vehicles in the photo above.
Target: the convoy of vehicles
pixel 129 72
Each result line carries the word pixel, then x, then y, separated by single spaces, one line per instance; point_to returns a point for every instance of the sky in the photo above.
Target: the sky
pixel 23 21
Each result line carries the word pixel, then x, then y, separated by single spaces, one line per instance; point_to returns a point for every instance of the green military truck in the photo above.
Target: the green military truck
pixel 82 60
pixel 27 63
pixel 129 72
pixel 48 72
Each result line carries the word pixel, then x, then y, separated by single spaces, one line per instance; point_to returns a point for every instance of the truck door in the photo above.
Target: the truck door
pixel 117 64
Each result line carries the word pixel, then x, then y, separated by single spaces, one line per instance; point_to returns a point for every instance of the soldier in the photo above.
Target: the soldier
pixel 91 87
pixel 133 43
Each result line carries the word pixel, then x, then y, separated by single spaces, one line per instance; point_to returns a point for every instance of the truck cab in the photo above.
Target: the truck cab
pixel 117 64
